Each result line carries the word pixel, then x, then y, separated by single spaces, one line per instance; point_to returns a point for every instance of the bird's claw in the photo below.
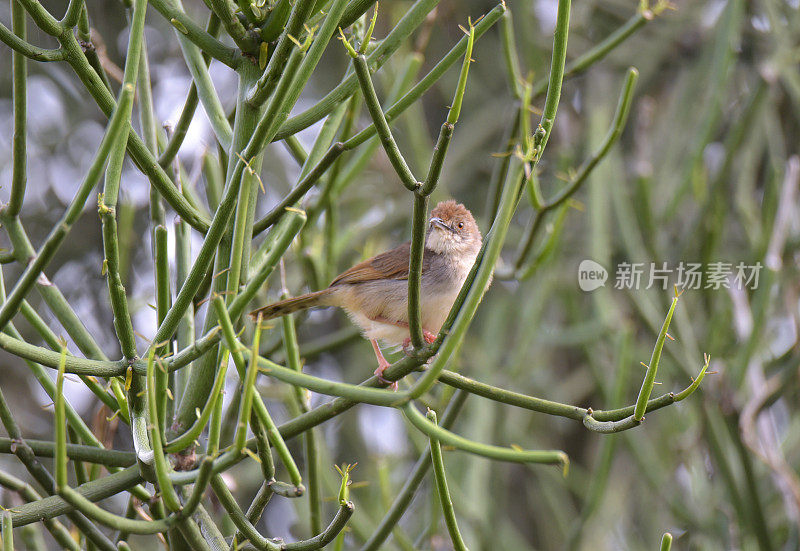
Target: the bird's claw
pixel 379 374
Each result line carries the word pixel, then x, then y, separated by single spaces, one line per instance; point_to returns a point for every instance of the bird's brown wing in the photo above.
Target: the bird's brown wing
pixel 392 264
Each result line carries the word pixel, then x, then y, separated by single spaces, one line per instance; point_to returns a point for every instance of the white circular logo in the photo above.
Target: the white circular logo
pixel 591 275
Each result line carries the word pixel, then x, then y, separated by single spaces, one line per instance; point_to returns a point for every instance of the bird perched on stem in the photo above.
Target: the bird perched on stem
pixel 374 293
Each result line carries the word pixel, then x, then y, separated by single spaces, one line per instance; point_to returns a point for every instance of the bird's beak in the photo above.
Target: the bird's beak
pixel 436 221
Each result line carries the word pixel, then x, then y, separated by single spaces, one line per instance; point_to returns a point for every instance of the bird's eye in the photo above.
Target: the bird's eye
pixel 460 225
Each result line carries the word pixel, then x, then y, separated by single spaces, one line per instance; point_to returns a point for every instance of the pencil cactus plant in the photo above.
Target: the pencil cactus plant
pixel 165 386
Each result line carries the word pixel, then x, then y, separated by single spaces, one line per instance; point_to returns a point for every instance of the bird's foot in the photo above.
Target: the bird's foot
pixel 379 374
pixel 429 337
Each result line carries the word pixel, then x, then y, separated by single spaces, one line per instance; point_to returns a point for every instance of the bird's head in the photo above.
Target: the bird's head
pixel 452 229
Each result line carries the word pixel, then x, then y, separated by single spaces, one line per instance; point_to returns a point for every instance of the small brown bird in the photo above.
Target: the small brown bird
pixel 374 293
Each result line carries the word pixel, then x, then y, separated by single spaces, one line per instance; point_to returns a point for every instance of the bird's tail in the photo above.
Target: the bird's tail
pixel 284 307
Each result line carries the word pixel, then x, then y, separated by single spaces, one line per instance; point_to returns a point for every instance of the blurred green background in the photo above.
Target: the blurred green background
pixel 706 171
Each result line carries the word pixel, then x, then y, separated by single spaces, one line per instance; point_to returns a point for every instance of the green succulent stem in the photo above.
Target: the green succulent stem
pixel 652 367
pixel 7 531
pixel 441 488
pixel 554 457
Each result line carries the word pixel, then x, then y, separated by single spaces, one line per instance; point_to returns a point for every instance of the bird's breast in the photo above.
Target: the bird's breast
pixel 441 283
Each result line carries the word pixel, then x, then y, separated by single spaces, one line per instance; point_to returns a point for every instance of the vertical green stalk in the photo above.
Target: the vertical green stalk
pixel 84 35
pixel 8 531
pixel 144 91
pixel 167 490
pixel 313 480
pixel 556 77
pixel 458 98
pixel 418 232
pixel 510 55
pixel 443 491
pixel 242 228
pixel 162 306
pixel 61 424
pixel 186 335
pixel 249 384
pixel 20 97
pixel 108 201
pixel 264 452
pixel 107 204
pixel 420 209
pixel 215 429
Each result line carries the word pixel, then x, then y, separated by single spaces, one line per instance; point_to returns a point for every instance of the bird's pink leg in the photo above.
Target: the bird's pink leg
pixel 382 365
